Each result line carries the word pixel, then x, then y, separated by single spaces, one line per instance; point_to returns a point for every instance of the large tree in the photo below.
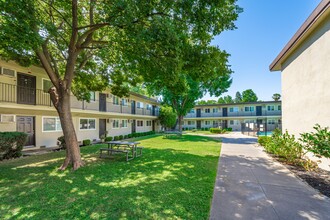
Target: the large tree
pixel 249 96
pixel 226 100
pixel 202 69
pixel 238 97
pixel 167 116
pixel 81 44
pixel 276 97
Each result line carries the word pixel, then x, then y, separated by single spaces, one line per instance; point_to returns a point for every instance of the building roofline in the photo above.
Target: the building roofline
pixel 143 96
pixel 306 26
pixel 241 103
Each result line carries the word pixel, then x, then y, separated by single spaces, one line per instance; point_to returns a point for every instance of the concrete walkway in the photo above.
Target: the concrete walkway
pixel 251 185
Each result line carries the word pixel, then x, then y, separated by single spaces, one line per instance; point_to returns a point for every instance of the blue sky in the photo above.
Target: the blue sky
pixel 263 29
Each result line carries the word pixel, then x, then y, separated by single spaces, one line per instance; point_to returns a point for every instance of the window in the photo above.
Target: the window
pixel 231 122
pixel 140 104
pixel 249 108
pixel 192 111
pixel 207 110
pixel 270 108
pixel 271 121
pixel 92 95
pixel 148 123
pixel 215 123
pixel 207 122
pixel 191 122
pixel 124 123
pixel 51 124
pixel 215 110
pixel 124 102
pixel 46 85
pixel 8 72
pixel 279 108
pixel 115 100
pixel 233 109
pixel 148 107
pixel 87 124
pixel 8 118
pixel 140 123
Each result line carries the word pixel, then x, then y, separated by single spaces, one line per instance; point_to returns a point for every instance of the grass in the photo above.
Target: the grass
pixel 174 179
pixel 200 132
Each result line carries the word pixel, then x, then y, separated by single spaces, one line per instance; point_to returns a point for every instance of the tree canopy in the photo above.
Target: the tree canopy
pixel 91 45
pixel 276 97
pixel 249 96
pixel 167 116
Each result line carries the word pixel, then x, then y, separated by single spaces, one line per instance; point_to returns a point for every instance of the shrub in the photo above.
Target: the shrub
pixel 120 137
pixel 263 140
pixel 61 142
pixel 11 144
pixel 130 135
pixel 108 138
pixel 216 130
pixel 193 130
pixel 229 129
pixel 317 142
pixel 125 136
pixel 87 142
pixel 116 138
pixel 285 146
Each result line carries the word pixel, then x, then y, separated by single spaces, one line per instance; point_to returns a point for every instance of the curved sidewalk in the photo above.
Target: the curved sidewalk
pixel 251 185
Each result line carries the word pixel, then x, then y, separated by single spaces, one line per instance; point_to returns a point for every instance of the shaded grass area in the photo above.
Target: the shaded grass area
pixel 200 132
pixel 173 179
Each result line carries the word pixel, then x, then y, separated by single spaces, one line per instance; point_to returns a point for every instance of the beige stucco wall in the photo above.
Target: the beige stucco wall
pixel 306 85
pixel 7 126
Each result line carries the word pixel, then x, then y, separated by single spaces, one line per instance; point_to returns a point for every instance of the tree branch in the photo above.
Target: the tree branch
pixel 48 68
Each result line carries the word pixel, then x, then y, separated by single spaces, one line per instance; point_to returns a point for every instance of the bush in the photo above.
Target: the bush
pixel 87 142
pixel 285 146
pixel 108 138
pixel 125 136
pixel 193 130
pixel 61 142
pixel 317 142
pixel 116 138
pixel 120 137
pixel 216 130
pixel 263 140
pixel 229 129
pixel 11 144
pixel 130 135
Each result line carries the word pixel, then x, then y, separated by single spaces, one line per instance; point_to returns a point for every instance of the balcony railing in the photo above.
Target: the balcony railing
pixel 235 114
pixel 29 96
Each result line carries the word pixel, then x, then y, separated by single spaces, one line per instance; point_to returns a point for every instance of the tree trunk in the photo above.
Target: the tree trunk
pixel 62 104
pixel 180 119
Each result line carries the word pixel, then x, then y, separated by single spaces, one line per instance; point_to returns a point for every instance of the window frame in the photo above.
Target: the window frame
pixel 270 108
pixel 137 123
pixel 122 123
pixel 88 129
pixel 56 128
pixel 207 110
pixel 148 123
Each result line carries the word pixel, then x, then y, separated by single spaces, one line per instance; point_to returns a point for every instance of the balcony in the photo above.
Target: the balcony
pixel 235 114
pixel 28 96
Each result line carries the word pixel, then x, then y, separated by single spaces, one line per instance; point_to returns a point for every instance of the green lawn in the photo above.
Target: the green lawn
pixel 200 132
pixel 174 179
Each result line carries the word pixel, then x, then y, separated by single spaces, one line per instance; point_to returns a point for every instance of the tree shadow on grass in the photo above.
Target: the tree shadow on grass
pixel 160 184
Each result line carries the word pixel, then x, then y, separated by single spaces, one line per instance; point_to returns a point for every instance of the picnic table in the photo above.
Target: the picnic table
pixel 131 149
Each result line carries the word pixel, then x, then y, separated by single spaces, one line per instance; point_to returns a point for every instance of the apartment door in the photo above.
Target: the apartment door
pixel 224 112
pixel 133 126
pixel 102 102
pixel 198 113
pixel 199 124
pixel 133 107
pixel 26 124
pixel 259 111
pixel 153 110
pixel 225 123
pixel 153 125
pixel 26 89
pixel 102 126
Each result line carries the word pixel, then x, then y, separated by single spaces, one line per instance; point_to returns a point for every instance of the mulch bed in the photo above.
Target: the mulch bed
pixel 318 178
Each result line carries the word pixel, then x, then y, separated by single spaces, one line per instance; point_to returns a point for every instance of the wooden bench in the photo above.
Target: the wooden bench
pixel 110 151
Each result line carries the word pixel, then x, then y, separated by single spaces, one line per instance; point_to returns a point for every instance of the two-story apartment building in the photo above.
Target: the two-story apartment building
pixel 25 106
pixel 235 115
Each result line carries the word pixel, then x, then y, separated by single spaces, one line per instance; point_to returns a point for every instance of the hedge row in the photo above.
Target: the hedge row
pixel 11 144
pixel 133 135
